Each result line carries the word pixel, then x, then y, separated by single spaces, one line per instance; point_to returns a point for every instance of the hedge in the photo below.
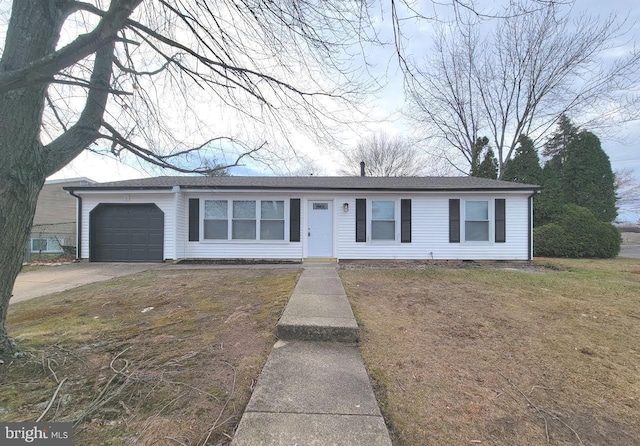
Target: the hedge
pixel 577 233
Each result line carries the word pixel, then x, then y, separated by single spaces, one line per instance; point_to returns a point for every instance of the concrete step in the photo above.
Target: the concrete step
pixel 318 310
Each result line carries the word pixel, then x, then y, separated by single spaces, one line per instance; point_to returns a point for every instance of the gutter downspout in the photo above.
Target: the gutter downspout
pixel 530 218
pixel 78 225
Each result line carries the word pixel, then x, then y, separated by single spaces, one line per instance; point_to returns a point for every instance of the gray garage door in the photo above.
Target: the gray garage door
pixel 126 233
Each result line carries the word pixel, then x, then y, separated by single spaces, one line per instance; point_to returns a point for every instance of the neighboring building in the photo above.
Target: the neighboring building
pixel 54 223
pixel 157 219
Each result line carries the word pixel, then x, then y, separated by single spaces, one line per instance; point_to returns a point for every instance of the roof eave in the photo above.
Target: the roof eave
pixel 313 188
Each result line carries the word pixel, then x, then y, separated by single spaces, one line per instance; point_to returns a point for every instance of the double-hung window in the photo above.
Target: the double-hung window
pixel 244 220
pixel 216 226
pixel 476 221
pixel 272 220
pixel 383 220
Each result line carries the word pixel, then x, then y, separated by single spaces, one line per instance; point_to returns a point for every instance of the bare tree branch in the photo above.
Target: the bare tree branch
pixel 520 79
pixel 385 156
pixel 44 69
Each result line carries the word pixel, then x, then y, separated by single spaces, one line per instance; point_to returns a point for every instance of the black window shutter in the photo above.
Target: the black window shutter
pixel 454 220
pixel 405 221
pixel 361 220
pixel 501 235
pixel 194 219
pixel 294 220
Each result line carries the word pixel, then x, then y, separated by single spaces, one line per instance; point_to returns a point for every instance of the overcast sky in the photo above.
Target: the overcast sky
pixel 384 111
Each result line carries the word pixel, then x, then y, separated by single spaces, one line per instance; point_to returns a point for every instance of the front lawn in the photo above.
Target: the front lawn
pixel 162 357
pixel 500 356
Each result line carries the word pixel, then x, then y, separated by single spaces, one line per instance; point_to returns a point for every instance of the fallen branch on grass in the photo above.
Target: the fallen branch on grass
pixel 542 412
pixel 52 399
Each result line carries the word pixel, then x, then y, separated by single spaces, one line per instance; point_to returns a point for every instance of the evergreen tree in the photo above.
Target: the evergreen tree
pixel 588 180
pixel 547 206
pixel 478 148
pixel 488 168
pixel 524 167
pixel 559 141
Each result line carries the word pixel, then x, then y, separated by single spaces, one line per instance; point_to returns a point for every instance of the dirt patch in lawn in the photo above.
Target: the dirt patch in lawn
pixel 161 357
pixel 501 356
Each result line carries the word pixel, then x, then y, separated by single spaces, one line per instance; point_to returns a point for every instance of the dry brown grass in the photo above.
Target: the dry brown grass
pixel 176 374
pixel 504 357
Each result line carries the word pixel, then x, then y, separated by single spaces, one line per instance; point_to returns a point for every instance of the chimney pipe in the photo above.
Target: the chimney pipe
pixel 362 173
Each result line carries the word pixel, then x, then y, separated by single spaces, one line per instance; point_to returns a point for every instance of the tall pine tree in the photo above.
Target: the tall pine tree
pixel 559 141
pixel 587 177
pixel 488 167
pixel 524 167
pixel 548 205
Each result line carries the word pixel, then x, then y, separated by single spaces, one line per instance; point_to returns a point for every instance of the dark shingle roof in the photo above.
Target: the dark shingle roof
pixel 315 183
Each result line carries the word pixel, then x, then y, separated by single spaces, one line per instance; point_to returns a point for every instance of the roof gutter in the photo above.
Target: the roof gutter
pixel 530 222
pixel 296 188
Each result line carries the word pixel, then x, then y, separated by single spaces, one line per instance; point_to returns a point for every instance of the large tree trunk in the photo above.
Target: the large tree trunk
pixel 32 33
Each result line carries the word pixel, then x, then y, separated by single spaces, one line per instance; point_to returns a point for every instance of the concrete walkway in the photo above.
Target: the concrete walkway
pixel 314 389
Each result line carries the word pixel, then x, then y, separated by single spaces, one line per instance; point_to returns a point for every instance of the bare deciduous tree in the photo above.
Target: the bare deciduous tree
pixel 141 76
pixel 627 191
pixel 385 156
pixel 521 77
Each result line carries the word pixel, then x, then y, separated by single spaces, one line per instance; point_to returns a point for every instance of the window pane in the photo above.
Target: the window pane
pixel 383 210
pixel 54 245
pixel 244 209
pixel 476 231
pixel 39 244
pixel 272 230
pixel 243 229
pixel 216 229
pixel 383 230
pixel 272 210
pixel 215 209
pixel 477 210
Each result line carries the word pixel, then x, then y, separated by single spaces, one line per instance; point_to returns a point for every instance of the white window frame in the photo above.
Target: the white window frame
pixel 490 220
pixel 49 240
pixel 233 219
pixel 258 219
pixel 205 219
pixel 396 220
pixel 264 219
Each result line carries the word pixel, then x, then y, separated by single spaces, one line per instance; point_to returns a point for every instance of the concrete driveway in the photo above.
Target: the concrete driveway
pixel 52 279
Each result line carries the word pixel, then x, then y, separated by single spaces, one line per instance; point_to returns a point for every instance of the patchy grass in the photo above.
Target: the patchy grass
pixel 161 357
pixel 504 357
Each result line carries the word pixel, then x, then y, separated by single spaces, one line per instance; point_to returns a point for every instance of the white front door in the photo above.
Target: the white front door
pixel 320 229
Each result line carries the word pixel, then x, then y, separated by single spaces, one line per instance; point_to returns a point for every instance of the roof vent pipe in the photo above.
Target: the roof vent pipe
pixel 362 174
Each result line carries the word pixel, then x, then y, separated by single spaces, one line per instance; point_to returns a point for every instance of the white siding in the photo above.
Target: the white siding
pixel 430 226
pixel 239 249
pixel 430 232
pixel 182 230
pixel 165 201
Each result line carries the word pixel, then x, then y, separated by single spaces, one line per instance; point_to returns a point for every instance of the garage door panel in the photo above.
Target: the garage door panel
pixel 155 238
pixel 127 233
